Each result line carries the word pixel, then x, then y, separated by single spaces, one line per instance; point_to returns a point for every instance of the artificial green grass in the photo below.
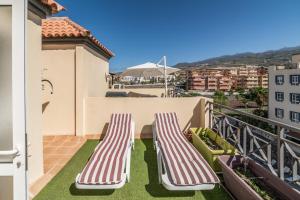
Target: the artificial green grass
pixel 143 183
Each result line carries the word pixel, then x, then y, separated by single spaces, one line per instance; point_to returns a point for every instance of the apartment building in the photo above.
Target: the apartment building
pixel 284 94
pixel 224 83
pixel 250 77
pixel 211 83
pixel 195 81
pixel 247 82
pixel 225 79
pixel 263 81
pixel 242 72
pixel 263 77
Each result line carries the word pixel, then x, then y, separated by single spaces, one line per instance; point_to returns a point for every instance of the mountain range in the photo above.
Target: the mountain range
pixel 272 57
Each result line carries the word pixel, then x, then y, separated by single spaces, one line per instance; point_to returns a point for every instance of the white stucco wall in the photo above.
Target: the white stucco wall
pixel 150 91
pixel 76 72
pixel 33 98
pixel 191 112
pixel 91 69
pixel 59 69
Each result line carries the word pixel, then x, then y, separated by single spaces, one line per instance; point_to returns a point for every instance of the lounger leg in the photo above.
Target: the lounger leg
pixel 154 135
pixel 159 166
pixel 128 159
pixel 132 134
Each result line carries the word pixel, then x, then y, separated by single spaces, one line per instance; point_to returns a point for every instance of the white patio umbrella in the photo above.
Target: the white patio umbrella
pixel 149 69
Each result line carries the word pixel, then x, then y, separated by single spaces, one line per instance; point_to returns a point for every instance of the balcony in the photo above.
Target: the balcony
pixel 265 141
pixel 270 143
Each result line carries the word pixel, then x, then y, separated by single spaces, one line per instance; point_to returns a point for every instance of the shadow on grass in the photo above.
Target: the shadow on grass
pixel 217 193
pixel 154 188
pixel 74 191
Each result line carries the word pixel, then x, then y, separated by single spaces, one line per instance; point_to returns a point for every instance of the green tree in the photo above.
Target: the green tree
pixel 244 100
pixel 259 95
pixel 240 90
pixel 220 98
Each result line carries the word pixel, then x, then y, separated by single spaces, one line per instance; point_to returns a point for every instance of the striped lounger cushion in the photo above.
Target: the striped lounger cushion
pixel 106 165
pixel 185 165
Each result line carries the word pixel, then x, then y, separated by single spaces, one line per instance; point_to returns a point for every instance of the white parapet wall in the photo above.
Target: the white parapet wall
pixel 150 91
pixel 191 112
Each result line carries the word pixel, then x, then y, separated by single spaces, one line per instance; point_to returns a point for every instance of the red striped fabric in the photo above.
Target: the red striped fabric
pixel 107 163
pixel 185 165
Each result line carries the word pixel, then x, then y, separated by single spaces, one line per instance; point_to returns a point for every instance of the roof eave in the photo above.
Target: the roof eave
pixel 53 6
pixel 78 40
pixel 40 9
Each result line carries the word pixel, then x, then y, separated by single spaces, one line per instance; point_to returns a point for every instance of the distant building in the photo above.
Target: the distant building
pixel 224 83
pixel 263 81
pixel 284 93
pixel 247 81
pixel 196 81
pixel 263 77
pixel 226 79
pixel 211 84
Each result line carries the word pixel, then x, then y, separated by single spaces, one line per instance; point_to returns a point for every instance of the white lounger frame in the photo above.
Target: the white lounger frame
pixel 163 176
pixel 125 175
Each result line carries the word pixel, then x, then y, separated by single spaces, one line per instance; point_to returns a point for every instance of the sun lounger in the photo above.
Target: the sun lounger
pixel 180 165
pixel 109 166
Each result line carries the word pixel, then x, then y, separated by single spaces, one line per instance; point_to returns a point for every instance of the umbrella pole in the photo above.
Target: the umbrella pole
pixel 165 74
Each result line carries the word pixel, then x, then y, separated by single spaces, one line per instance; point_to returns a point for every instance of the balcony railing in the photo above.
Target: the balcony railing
pixel 264 140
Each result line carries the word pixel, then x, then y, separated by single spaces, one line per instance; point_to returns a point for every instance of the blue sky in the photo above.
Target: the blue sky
pixel 138 31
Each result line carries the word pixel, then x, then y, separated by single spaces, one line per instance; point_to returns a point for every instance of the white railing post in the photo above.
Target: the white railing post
pixel 220 127
pixel 280 152
pixel 210 116
pixel 295 169
pixel 224 127
pixel 245 141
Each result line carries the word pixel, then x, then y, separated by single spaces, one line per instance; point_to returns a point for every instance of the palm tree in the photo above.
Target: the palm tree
pixel 260 96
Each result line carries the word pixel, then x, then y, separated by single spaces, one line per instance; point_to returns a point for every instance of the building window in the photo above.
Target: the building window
pixel 295 98
pixel 294 79
pixel 279 79
pixel 295 116
pixel 279 96
pixel 279 113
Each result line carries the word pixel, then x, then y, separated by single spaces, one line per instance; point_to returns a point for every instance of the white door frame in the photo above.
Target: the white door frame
pixel 17 166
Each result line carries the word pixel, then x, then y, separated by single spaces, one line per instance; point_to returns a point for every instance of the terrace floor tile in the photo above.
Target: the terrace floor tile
pixel 57 150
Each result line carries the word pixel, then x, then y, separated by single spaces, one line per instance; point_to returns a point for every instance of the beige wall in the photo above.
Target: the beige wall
pixel 59 114
pixel 91 70
pixel 76 72
pixel 97 68
pixel 5 94
pixel 98 111
pixel 33 98
pixel 150 91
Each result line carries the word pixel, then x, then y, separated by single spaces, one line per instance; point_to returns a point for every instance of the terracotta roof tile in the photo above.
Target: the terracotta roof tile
pixel 55 7
pixel 63 27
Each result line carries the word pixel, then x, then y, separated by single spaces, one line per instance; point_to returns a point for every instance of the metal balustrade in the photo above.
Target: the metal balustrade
pixel 273 149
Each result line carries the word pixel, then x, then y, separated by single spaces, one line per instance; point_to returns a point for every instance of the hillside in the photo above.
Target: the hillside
pixel 267 58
